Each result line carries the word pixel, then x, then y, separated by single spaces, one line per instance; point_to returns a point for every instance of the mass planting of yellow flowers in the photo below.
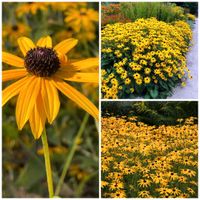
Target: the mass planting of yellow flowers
pixel 145 161
pixel 144 58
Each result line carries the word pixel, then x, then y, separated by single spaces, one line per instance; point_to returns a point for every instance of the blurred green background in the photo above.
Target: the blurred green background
pixel 23 163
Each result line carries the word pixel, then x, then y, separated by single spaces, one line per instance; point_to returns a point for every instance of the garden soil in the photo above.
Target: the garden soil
pixel 190 91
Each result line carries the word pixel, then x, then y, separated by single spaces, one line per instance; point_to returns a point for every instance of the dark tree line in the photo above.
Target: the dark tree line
pixel 191 6
pixel 153 113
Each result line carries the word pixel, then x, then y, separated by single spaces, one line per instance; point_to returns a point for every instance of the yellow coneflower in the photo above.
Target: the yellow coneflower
pixel 104 184
pixel 30 8
pixel 116 185
pixel 131 136
pixel 144 194
pixel 42 73
pixel 14 31
pixel 144 182
pixel 175 191
pixel 119 194
pixel 82 18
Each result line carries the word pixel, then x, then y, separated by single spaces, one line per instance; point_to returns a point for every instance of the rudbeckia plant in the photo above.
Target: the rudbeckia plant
pixel 41 74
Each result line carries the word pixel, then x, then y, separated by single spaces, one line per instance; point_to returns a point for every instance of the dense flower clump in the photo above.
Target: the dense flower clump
pixel 144 58
pixel 191 17
pixel 145 161
pixel 112 14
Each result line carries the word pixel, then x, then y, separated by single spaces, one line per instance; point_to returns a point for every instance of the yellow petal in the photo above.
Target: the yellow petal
pixel 13 74
pixel 13 90
pixel 26 100
pixel 45 42
pixel 77 97
pixel 37 118
pixel 78 76
pixel 63 59
pixel 11 59
pixel 66 45
pixel 86 64
pixel 50 99
pixel 25 44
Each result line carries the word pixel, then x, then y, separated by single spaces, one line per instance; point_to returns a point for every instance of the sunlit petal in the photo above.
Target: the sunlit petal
pixel 86 64
pixel 63 59
pixel 37 118
pixel 78 76
pixel 13 60
pixel 12 90
pixel 13 74
pixel 45 42
pixel 25 44
pixel 26 100
pixel 50 99
pixel 77 97
pixel 66 45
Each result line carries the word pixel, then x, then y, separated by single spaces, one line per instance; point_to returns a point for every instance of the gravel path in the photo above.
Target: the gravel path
pixel 190 91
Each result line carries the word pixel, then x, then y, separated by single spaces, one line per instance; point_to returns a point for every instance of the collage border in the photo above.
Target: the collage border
pixel 100 99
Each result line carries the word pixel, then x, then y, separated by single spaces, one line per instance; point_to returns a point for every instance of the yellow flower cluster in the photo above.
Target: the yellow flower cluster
pixel 178 11
pixel 143 54
pixel 190 16
pixel 77 20
pixel 82 20
pixel 145 161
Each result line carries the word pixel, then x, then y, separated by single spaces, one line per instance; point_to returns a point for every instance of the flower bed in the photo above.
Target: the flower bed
pixel 145 58
pixel 139 160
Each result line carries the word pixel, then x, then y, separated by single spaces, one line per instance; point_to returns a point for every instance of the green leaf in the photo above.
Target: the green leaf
pixel 106 61
pixel 132 96
pixel 164 85
pixel 154 93
pixel 147 96
pixel 31 174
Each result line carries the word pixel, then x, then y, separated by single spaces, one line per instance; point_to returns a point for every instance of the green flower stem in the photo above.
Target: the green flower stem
pixel 47 163
pixel 71 154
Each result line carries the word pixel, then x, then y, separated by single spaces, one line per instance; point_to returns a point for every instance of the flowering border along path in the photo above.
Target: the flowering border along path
pixel 190 91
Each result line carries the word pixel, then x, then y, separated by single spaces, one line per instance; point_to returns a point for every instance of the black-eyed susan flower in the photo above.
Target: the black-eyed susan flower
pixel 183 195
pixel 42 73
pixel 150 53
pixel 190 190
pixel 138 81
pixel 14 31
pixel 147 70
pixel 104 184
pixel 82 18
pixel 116 185
pixel 144 182
pixel 147 80
pixel 144 194
pixel 30 7
pixel 175 191
pixel 148 165
pixel 127 81
pixel 119 194
pixel 136 76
